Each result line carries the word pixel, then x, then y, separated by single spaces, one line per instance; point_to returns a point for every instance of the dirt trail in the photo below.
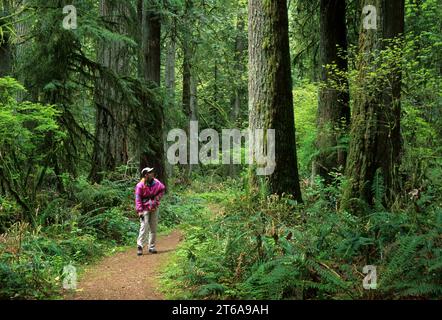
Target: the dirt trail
pixel 126 276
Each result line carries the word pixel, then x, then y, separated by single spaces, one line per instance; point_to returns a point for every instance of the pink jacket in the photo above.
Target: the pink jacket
pixel 147 197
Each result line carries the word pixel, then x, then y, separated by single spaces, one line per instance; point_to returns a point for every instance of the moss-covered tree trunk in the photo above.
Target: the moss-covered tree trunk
pixel 111 144
pixel 189 102
pixel 150 134
pixel 169 72
pixel 333 108
pixel 170 80
pixel 375 144
pixel 270 90
pixel 5 47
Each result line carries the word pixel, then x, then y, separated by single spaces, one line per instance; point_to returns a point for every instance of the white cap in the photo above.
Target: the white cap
pixel 146 170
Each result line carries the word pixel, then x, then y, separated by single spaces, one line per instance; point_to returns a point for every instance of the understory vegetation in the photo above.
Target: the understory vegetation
pixel 69 230
pixel 248 245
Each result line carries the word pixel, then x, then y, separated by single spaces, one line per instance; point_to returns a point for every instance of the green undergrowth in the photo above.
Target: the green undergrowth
pixel 247 245
pixel 77 228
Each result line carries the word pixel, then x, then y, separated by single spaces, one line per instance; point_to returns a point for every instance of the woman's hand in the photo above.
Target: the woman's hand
pixel 151 206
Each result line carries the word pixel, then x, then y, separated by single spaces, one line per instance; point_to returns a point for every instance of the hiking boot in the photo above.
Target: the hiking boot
pixel 140 251
pixel 153 250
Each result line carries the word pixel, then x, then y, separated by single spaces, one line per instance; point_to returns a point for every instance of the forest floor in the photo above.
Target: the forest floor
pixel 126 276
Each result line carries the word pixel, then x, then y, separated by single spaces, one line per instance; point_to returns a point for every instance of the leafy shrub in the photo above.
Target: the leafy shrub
pixel 32 261
pixel 74 229
pixel 99 196
pixel 267 247
pixel 9 213
pixel 111 224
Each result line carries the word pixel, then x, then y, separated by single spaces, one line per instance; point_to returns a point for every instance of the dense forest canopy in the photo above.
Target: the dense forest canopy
pixel 317 124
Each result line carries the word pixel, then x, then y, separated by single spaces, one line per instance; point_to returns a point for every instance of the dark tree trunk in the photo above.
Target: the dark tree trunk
pixel 5 46
pixel 187 74
pixel 333 107
pixel 111 144
pixel 239 90
pixel 375 131
pixel 189 79
pixel 169 74
pixel 151 135
pixel 22 27
pixel 240 50
pixel 186 98
pixel 215 82
pixel 190 108
pixel 170 83
pixel 270 90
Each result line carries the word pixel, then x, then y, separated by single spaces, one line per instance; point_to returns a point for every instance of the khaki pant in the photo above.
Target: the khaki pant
pixel 148 226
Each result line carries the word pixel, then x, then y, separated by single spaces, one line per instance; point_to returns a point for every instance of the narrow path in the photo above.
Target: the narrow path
pixel 126 276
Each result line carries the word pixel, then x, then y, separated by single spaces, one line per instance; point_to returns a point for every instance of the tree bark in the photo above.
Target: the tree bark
pixel 187 63
pixel 239 90
pixel 375 131
pixel 21 30
pixel 151 135
pixel 5 47
pixel 270 90
pixel 169 74
pixel 333 115
pixel 187 76
pixel 193 98
pixel 170 82
pixel 189 98
pixel 111 144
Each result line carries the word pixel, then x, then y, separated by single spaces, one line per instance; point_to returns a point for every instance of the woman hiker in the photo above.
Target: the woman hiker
pixel 148 193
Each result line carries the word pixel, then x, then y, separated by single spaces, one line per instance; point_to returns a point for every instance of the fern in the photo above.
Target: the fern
pixel 272 279
pixel 402 259
pixel 211 289
pixel 420 289
pixel 409 272
pixel 328 275
pixel 378 190
pixel 256 252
